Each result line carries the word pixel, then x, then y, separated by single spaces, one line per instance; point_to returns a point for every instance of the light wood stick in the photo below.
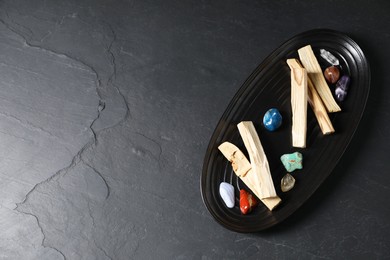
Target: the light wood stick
pixel 314 72
pixel 245 173
pixel 259 162
pixel 240 164
pixel 299 106
pixel 315 102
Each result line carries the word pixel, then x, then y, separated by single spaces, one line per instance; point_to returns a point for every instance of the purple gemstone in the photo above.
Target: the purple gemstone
pixel 342 88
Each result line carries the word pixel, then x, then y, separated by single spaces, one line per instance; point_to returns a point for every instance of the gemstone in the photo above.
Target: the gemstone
pixel 247 202
pixel 272 119
pixel 226 190
pixel 341 89
pixel 329 57
pixel 287 182
pixel 292 161
pixel 332 74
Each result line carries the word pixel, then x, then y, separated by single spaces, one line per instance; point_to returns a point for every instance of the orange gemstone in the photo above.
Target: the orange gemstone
pixel 247 202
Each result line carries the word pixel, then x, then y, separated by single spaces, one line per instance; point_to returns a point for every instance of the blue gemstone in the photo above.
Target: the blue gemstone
pixel 272 119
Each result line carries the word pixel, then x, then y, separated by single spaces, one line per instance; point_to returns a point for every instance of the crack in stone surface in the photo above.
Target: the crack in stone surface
pixel 102 250
pixel 30 125
pixel 43 233
pixel 77 158
pixel 100 175
pixel 101 106
pixel 109 50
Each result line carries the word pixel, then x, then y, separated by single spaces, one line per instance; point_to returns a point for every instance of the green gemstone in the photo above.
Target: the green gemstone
pixel 292 161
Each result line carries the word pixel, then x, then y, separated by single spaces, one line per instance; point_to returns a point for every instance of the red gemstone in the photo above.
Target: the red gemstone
pixel 247 202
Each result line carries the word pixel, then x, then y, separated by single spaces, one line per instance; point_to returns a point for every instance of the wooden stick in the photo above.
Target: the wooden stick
pixel 240 164
pixel 236 157
pixel 299 106
pixel 319 110
pixel 314 72
pixel 315 102
pixel 258 159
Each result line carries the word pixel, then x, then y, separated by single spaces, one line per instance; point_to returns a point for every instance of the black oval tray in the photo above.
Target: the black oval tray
pixel 269 87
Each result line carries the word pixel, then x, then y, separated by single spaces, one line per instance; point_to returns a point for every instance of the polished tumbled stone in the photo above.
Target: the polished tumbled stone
pixel 292 161
pixel 332 74
pixel 226 190
pixel 272 119
pixel 247 202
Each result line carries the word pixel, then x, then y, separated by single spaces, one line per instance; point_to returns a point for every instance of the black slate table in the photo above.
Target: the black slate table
pixel 107 108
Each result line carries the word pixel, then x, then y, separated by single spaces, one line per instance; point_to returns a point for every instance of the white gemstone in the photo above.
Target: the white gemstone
pixel 329 57
pixel 287 182
pixel 226 190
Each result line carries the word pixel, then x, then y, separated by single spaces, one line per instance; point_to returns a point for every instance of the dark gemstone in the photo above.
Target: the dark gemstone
pixel 332 74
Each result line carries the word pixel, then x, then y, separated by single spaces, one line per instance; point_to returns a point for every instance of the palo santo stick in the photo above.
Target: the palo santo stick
pixel 319 110
pixel 315 102
pixel 309 61
pixel 240 164
pixel 258 159
pixel 263 180
pixel 299 106
pixel 243 169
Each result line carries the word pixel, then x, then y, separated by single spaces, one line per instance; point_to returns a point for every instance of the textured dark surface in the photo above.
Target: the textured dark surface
pixel 107 108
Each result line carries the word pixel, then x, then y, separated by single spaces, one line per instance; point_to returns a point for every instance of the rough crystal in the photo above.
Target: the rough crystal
pixel 292 161
pixel 329 57
pixel 342 88
pixel 287 182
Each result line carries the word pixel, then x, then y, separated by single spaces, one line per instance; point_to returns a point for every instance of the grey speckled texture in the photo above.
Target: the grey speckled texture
pixel 107 108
